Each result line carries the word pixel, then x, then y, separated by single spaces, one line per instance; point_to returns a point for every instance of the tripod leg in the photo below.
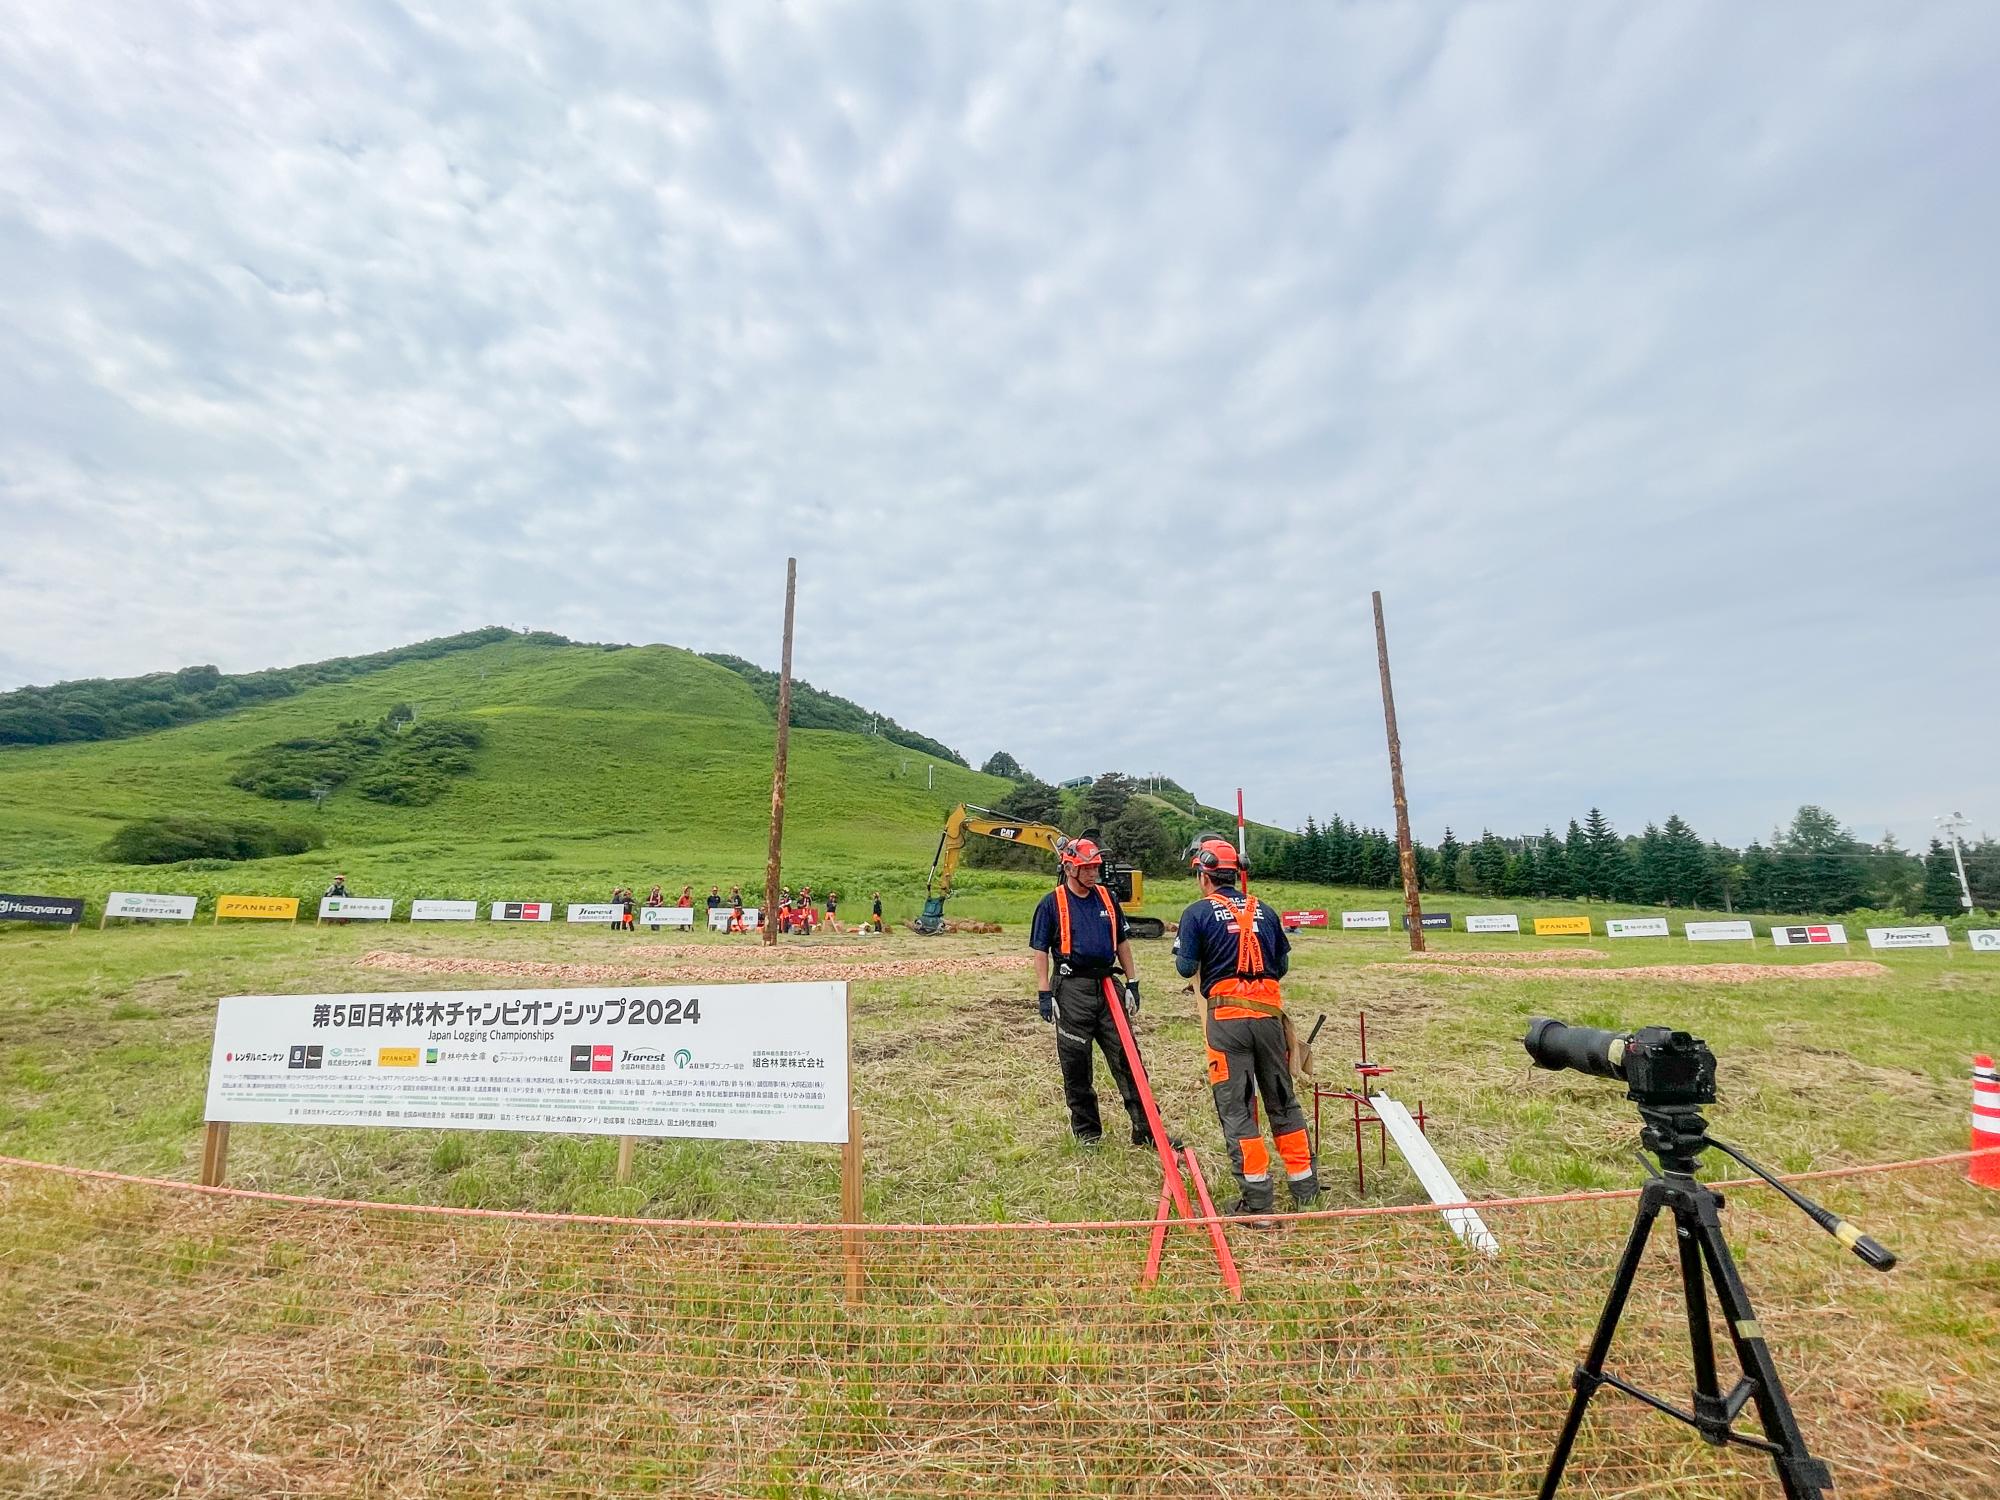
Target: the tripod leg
pixel 1802 1476
pixel 1589 1375
pixel 1711 1414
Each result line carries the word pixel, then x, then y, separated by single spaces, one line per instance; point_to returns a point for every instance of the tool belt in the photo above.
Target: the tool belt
pixel 1069 965
pixel 1298 1052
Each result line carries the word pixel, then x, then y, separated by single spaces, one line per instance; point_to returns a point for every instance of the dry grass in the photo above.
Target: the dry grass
pixel 1667 973
pixel 794 966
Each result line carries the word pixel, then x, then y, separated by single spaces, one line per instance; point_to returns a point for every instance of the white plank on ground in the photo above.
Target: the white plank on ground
pixel 1434 1174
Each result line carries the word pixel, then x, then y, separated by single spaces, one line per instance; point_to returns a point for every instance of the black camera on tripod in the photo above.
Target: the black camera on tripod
pixel 1661 1068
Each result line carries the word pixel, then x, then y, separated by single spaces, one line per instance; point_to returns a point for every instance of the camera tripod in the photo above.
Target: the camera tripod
pixel 1677 1135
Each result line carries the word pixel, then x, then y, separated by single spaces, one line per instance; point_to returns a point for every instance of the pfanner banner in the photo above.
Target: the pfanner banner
pixel 667 916
pixel 521 911
pixel 1719 932
pixel 1627 927
pixel 258 908
pixel 66 910
pixel 736 1062
pixel 1812 934
pixel 1984 939
pixel 444 911
pixel 143 906
pixel 1493 924
pixel 1909 937
pixel 357 908
pixel 1562 927
pixel 1432 919
pixel 600 911
pixel 1354 919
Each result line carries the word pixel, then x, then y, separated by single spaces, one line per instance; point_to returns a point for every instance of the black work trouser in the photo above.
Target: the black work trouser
pixel 1083 1017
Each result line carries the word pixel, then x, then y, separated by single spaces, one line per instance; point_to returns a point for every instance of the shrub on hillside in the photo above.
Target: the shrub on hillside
pixel 401 760
pixel 170 840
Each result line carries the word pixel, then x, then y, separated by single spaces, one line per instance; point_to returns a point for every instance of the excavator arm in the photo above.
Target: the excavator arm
pixel 1127 884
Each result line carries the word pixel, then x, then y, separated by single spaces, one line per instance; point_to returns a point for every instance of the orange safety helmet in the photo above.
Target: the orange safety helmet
pixel 1074 852
pixel 1211 851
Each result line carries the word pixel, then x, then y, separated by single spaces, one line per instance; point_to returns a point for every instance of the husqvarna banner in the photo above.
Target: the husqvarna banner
pixel 731 1062
pixel 65 910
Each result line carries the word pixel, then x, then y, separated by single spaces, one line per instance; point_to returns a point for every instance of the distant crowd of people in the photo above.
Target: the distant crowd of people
pixel 799 912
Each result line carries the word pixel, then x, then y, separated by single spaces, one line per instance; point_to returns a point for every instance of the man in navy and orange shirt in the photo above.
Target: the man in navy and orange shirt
pixel 1079 931
pixel 1238 948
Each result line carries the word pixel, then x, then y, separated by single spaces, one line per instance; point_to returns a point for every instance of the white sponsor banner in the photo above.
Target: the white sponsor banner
pixel 1810 934
pixel 600 911
pixel 1719 932
pixel 357 908
pixel 146 907
pixel 444 911
pixel 522 911
pixel 1984 939
pixel 667 916
pixel 736 1062
pixel 1353 919
pixel 1622 927
pixel 718 918
pixel 1908 937
pixel 1492 924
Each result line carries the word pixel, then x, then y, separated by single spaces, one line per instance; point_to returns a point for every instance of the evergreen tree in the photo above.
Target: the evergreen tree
pixel 1489 864
pixel 1941 893
pixel 1759 886
pixel 1139 837
pixel 1032 801
pixel 1524 876
pixel 1449 848
pixel 1650 868
pixel 1603 876
pixel 1686 876
pixel 1823 870
pixel 1105 798
pixel 1000 763
pixel 1582 863
pixel 1553 866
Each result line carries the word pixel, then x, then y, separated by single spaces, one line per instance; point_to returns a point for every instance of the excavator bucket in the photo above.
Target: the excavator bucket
pixel 931 920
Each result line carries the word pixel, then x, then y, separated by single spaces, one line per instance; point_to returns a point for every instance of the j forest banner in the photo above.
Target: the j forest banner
pixel 1909 937
pixel 740 1062
pixel 65 910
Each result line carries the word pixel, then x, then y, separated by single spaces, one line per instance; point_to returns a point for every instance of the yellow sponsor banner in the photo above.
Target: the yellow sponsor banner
pixel 284 908
pixel 396 1057
pixel 1562 927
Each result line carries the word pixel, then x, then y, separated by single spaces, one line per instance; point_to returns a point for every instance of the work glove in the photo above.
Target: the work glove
pixel 1045 1001
pixel 1132 998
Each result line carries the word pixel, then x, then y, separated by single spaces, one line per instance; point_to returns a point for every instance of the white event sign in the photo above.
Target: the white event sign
pixel 357 908
pixel 444 911
pixel 145 907
pixel 1719 932
pixel 1813 934
pixel 736 1062
pixel 602 911
pixel 1353 919
pixel 521 911
pixel 667 916
pixel 1492 924
pixel 1984 939
pixel 1909 937
pixel 718 918
pixel 1625 927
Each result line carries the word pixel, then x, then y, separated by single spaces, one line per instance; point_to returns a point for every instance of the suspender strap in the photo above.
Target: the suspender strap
pixel 1063 949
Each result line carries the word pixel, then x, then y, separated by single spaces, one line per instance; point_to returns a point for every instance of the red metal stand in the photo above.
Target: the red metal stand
pixel 1363 1113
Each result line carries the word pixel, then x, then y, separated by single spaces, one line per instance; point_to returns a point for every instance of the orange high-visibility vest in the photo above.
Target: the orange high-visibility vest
pixel 1062 921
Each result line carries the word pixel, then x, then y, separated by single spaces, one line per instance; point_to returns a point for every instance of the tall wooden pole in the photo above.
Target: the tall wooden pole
pixel 1405 854
pixel 771 864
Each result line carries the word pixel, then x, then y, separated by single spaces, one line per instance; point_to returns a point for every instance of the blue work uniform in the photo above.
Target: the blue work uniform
pixel 1094 925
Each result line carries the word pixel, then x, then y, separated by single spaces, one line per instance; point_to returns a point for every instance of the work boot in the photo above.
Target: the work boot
pixel 1305 1191
pixel 1255 1204
pixel 1142 1136
pixel 1089 1142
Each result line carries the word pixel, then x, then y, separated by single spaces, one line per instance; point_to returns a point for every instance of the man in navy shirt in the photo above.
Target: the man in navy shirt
pixel 1080 931
pixel 1237 945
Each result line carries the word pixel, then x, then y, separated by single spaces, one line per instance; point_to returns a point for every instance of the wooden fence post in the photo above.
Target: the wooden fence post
pixel 850 1205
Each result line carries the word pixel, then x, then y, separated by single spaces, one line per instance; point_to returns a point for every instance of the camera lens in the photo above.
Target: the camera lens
pixel 1556 1045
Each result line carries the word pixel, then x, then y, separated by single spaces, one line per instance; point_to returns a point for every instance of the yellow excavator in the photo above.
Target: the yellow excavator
pixel 1127 883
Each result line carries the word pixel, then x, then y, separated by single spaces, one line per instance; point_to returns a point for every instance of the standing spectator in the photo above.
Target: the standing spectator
pixel 876 912
pixel 687 896
pixel 655 898
pixel 714 897
pixel 833 910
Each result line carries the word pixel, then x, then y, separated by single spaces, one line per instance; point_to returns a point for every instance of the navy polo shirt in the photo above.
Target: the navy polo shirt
pixel 1207 940
pixel 1090 931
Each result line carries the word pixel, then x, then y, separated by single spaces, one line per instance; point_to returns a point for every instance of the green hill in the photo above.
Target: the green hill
pixel 593 766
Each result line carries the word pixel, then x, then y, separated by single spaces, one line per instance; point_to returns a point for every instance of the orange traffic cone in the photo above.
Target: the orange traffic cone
pixel 1985 1121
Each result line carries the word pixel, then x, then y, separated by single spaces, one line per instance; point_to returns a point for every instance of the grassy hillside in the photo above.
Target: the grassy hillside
pixel 599 766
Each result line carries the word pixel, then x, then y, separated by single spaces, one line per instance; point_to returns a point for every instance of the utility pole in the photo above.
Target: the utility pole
pixel 1406 856
pixel 772 864
pixel 1951 825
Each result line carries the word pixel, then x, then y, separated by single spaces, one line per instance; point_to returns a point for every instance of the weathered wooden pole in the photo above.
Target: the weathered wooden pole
pixel 1406 854
pixel 771 865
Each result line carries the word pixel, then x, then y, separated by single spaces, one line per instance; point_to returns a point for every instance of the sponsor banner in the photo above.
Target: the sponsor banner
pixel 66 910
pixel 1812 934
pixel 357 908
pixel 444 911
pixel 1353 919
pixel 718 918
pixel 259 908
pixel 737 1062
pixel 1984 939
pixel 143 906
pixel 1493 924
pixel 599 911
pixel 1908 937
pixel 1719 932
pixel 521 911
pixel 1562 927
pixel 667 916
pixel 1625 927
pixel 1304 918
pixel 1437 919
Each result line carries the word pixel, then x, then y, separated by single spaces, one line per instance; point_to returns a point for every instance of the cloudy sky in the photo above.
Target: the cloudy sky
pixel 1095 362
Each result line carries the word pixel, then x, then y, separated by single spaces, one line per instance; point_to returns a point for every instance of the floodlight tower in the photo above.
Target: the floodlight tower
pixel 1951 823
